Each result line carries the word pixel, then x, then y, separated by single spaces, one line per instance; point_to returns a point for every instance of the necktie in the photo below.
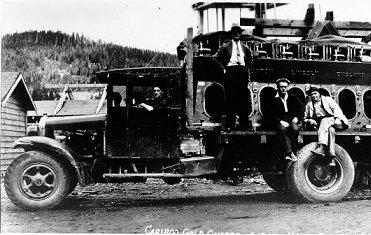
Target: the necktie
pixel 239 59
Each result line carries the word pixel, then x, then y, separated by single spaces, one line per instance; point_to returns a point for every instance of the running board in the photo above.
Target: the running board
pixel 189 168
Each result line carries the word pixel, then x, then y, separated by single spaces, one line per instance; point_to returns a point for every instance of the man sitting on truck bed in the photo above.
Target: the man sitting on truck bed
pixel 323 113
pixel 287 113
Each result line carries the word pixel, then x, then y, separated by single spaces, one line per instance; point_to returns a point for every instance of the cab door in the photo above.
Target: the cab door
pixel 149 132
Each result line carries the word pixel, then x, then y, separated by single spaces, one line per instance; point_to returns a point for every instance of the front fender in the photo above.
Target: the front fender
pixel 49 145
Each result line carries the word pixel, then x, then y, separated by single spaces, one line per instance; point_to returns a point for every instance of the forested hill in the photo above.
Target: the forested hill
pixel 55 57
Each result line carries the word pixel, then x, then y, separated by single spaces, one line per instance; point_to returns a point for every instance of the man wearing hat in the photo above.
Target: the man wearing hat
pixel 323 113
pixel 235 59
pixel 287 113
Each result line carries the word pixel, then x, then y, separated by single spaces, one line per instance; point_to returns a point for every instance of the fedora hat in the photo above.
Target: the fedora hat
pixel 282 80
pixel 236 28
pixel 312 89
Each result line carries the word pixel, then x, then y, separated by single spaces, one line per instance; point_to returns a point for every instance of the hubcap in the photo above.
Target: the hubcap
pixel 323 178
pixel 38 181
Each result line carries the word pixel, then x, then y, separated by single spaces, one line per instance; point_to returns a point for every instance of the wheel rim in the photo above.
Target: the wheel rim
pixel 323 178
pixel 38 181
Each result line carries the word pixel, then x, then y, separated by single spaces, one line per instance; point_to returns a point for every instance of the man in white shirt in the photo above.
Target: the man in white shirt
pixel 323 113
pixel 235 58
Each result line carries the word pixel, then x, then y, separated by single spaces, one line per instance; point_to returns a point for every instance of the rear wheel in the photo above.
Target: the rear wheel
pixel 313 180
pixel 36 180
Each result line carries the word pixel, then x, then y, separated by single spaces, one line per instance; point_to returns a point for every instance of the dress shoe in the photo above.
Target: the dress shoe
pixel 320 150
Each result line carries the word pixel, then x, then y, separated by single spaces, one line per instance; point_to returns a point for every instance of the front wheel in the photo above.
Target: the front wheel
pixel 313 180
pixel 36 180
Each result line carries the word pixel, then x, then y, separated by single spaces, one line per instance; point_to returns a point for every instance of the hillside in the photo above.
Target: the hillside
pixel 55 57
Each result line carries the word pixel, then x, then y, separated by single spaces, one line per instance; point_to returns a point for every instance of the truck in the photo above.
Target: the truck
pixel 188 138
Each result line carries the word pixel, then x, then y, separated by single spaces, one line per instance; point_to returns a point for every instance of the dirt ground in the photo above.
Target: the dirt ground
pixel 195 206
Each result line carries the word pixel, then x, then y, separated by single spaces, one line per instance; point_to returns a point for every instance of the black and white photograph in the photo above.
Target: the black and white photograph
pixel 185 117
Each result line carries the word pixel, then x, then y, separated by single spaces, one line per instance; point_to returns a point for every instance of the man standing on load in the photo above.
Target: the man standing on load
pixel 323 113
pixel 235 59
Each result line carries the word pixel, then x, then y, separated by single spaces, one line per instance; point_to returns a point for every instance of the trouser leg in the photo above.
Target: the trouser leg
pixel 236 91
pixel 283 139
pixel 323 130
pixel 294 134
pixel 331 141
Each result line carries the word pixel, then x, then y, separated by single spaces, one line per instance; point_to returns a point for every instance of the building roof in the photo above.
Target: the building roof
pixel 11 81
pixel 69 108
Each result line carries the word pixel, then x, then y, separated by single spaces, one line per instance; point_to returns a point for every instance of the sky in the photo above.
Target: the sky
pixel 158 25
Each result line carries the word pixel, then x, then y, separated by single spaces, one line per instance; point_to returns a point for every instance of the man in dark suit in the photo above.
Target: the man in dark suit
pixel 287 112
pixel 235 59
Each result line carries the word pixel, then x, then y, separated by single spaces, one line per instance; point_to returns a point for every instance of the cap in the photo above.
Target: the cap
pixel 283 80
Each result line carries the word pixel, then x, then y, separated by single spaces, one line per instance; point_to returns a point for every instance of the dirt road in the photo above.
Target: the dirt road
pixel 192 207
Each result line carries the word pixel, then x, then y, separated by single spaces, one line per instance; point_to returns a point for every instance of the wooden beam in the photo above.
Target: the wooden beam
pixel 276 23
pixel 61 100
pixel 80 85
pixel 271 32
pixel 300 28
pixel 189 79
pixel 283 23
pixel 354 33
pixel 102 99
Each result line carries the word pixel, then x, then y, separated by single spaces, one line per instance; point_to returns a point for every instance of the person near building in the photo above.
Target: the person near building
pixel 324 114
pixel 235 58
pixel 287 113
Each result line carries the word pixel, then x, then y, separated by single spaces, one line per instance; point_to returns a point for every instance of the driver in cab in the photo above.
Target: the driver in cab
pixel 158 102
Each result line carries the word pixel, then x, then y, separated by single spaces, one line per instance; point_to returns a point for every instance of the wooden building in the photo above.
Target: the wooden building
pixel 15 101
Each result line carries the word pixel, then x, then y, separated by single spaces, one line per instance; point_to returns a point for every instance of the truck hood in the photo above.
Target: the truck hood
pixel 85 122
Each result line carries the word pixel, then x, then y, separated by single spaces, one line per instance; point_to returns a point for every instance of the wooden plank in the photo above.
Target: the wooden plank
pixel 13 117
pixel 13 133
pixel 300 28
pixel 276 23
pixel 6 144
pixel 60 86
pixel 284 32
pixel 13 106
pixel 283 23
pixel 9 150
pixel 352 25
pixel 9 138
pixel 189 72
pixel 14 128
pixel 354 33
pixel 14 100
pixel 13 111
pixel 13 122
pixel 10 156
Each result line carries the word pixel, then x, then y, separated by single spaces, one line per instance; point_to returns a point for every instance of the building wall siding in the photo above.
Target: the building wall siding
pixel 13 126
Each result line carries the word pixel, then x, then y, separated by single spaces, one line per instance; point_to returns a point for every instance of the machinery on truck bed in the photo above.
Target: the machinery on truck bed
pixel 188 138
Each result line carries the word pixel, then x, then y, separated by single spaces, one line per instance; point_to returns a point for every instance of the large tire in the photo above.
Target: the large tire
pixel 312 180
pixel 37 181
pixel 277 182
